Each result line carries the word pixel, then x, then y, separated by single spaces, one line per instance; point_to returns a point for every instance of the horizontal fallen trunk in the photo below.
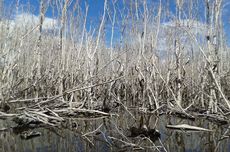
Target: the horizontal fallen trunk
pixel 76 110
pixel 29 134
pixel 187 127
pixel 5 115
pixel 218 119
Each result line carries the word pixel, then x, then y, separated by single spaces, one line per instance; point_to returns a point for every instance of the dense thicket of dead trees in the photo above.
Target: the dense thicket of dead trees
pixel 153 56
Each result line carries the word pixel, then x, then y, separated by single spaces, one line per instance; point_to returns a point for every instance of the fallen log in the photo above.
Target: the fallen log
pixel 29 134
pixel 6 115
pixel 73 111
pixel 187 127
pixel 218 119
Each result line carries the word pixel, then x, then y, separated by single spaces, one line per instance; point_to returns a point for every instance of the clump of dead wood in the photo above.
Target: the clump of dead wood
pixel 46 76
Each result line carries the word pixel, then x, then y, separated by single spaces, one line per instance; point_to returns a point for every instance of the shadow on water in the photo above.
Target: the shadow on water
pixel 117 133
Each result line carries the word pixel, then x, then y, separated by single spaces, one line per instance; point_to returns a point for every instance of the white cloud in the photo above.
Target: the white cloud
pixel 193 26
pixel 27 19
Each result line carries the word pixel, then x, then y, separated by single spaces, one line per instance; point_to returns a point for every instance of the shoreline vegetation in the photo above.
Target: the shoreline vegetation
pixel 70 69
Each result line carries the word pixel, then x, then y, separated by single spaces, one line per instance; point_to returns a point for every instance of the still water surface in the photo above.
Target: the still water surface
pixel 68 138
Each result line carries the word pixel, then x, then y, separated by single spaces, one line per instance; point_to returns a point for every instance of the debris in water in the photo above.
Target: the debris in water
pixel 30 134
pixel 187 127
pixel 153 134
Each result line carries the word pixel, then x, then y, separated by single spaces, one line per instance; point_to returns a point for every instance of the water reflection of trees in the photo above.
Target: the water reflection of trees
pixel 102 134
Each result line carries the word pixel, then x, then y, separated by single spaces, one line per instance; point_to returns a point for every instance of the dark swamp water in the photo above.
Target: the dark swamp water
pixel 110 134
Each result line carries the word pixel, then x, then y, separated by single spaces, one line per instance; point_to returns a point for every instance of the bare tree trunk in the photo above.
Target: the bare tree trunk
pixel 210 50
pixel 1 16
pixel 213 21
pixel 37 50
pixel 61 48
pixel 178 55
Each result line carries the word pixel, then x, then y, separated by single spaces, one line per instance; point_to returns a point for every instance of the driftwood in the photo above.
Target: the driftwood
pixel 3 129
pixel 219 119
pixel 184 116
pixel 187 127
pixel 6 115
pixel 29 134
pixel 76 111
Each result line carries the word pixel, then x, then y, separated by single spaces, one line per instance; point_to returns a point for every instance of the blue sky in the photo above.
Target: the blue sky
pixel 96 9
